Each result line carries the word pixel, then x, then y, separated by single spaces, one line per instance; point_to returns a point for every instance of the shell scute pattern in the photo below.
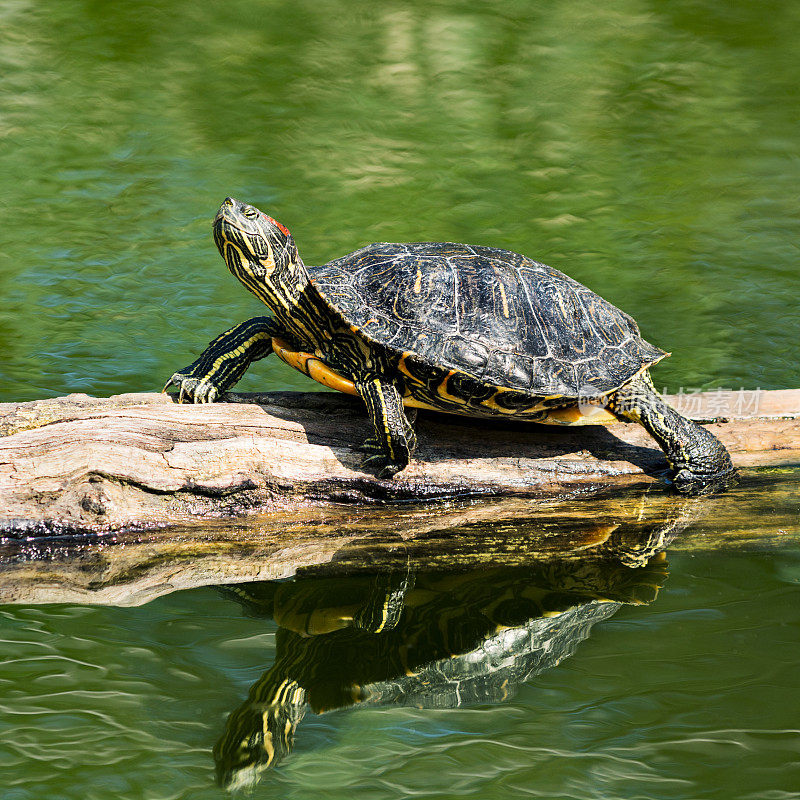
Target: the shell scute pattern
pixel 510 369
pixel 419 370
pixel 512 400
pixel 568 327
pixel 379 328
pixel 495 317
pixel 588 376
pixel 610 328
pixel 426 342
pixel 556 377
pixel 473 356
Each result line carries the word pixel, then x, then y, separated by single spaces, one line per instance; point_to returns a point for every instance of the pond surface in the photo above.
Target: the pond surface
pixel 690 694
pixel 647 149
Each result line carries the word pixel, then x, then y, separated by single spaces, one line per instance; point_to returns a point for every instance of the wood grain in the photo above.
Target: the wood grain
pixel 79 464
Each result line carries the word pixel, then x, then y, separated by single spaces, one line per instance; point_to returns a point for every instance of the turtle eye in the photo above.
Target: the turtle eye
pixel 250 212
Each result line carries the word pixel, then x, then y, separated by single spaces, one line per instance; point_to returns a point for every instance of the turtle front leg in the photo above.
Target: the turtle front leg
pixel 222 364
pixel 700 463
pixel 394 439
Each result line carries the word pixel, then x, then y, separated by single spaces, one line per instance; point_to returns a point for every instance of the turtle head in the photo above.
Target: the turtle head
pixel 260 733
pixel 254 245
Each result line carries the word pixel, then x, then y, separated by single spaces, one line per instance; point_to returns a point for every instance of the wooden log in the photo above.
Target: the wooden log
pixel 134 568
pixel 79 464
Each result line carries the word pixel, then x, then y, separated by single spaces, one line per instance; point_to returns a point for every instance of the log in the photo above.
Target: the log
pixel 132 568
pixel 77 464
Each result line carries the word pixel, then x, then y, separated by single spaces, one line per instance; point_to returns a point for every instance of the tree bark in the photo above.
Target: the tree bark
pixel 78 464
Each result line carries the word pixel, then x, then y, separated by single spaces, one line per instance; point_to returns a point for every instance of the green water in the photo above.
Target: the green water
pixel 647 149
pixel 692 696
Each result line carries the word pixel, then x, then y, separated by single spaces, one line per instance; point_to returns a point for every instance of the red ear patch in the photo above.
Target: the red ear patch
pixel 283 228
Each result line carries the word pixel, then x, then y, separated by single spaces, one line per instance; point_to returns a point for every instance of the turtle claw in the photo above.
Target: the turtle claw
pixel 383 465
pixel 192 390
pixel 688 483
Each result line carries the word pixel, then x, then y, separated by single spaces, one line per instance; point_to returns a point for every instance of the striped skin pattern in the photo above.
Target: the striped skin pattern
pixel 449 640
pixel 226 359
pixel 469 330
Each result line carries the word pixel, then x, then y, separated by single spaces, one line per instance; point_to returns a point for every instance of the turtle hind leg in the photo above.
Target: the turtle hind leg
pixel 700 463
pixel 393 440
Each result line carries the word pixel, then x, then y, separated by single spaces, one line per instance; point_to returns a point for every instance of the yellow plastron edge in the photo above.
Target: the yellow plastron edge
pixel 314 367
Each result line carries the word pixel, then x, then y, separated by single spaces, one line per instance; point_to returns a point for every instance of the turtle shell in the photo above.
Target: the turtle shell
pixel 494 315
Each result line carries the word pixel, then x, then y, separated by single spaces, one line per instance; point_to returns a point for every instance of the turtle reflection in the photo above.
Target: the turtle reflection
pixel 424 639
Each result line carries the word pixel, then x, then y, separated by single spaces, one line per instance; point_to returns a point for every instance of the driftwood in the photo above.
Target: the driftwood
pixel 132 568
pixel 79 464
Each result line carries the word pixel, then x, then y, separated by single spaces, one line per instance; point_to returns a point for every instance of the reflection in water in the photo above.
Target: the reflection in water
pixel 424 639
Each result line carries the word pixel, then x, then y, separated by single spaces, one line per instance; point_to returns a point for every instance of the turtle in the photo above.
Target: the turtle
pixel 459 639
pixel 465 329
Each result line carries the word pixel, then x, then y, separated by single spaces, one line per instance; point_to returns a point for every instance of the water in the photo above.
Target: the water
pixel 648 150
pixel 689 697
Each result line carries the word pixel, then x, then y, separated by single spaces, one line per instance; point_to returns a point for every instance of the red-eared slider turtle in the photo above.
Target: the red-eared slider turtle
pixel 465 329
